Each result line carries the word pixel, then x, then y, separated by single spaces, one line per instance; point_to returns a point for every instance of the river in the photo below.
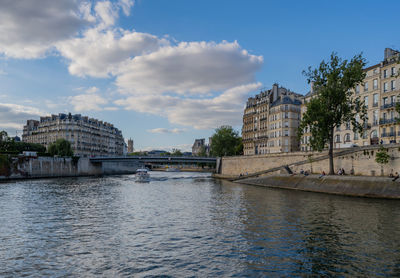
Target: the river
pixel 188 224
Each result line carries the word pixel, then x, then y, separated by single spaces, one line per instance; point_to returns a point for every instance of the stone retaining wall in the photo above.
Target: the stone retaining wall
pixel 360 162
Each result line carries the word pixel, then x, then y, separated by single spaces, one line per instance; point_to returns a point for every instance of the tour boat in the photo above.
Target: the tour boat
pixel 142 175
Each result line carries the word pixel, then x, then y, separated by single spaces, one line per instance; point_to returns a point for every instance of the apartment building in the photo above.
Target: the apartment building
pixel 270 122
pixel 88 136
pixel 380 92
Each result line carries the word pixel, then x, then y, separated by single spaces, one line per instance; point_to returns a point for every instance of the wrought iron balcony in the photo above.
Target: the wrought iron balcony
pixel 390 134
pixel 386 121
pixel 388 105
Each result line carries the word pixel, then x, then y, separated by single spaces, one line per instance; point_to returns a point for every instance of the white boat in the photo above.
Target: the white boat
pixel 142 175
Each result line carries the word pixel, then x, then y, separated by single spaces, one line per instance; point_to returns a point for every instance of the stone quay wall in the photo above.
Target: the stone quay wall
pixel 44 167
pixel 358 161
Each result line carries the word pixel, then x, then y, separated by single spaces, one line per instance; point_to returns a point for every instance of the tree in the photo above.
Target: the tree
pixel 225 142
pixel 333 103
pixel 60 147
pixel 382 158
pixel 176 152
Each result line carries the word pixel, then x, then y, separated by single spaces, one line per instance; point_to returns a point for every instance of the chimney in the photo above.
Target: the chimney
pixel 275 92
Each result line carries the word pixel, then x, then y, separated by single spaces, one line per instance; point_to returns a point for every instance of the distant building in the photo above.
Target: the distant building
pixel 88 136
pixel 270 122
pixel 199 145
pixel 130 146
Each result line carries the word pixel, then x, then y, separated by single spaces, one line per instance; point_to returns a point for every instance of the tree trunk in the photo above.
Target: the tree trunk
pixel 331 169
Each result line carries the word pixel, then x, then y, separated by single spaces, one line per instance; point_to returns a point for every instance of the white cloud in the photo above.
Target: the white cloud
pixel 92 90
pixel 195 67
pixel 165 130
pixel 87 102
pixel 224 109
pixel 29 29
pixel 198 84
pixel 14 116
pixel 99 52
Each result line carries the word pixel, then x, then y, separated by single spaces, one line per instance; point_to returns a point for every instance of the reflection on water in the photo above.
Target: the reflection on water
pixel 187 224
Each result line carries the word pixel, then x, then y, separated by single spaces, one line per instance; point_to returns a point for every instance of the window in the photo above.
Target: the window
pixel 393 71
pixel 375 99
pixel 366 101
pixel 374 134
pixel 375 117
pixel 393 99
pixel 385 87
pixel 347 137
pixel 347 126
pixel 357 89
pixel 286 115
pixel 375 84
pixel 337 138
pixel 385 102
pixel 384 73
pixel 393 85
pixel 286 132
pixel 286 124
pixel 356 136
pixel 366 87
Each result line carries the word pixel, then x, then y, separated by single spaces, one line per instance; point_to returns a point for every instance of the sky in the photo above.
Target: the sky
pixel 168 72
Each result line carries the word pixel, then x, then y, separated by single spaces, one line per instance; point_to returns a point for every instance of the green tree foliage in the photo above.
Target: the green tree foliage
pixel 226 142
pixel 176 152
pixel 333 103
pixel 61 147
pixel 4 165
pixel 9 145
pixel 382 157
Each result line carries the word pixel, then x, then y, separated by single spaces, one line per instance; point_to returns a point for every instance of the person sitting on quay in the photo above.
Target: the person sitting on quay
pixel 340 172
pixel 396 176
pixel 322 174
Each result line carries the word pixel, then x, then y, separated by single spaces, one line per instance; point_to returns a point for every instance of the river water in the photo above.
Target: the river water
pixel 189 225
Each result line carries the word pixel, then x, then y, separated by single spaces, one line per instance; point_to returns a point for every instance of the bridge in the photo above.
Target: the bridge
pixel 155 159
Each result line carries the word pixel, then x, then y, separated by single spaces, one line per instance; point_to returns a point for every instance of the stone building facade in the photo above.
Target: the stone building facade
pixel 88 136
pixel 270 122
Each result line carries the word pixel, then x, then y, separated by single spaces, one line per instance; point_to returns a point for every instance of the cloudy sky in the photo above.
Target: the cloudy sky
pixel 167 72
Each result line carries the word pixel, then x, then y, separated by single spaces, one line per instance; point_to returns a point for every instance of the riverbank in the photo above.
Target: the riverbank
pixel 357 186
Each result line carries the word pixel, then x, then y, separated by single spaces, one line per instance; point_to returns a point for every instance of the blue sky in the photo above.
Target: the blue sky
pixel 167 72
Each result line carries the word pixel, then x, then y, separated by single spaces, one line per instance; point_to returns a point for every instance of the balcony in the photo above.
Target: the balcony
pixel 386 121
pixel 390 134
pixel 388 105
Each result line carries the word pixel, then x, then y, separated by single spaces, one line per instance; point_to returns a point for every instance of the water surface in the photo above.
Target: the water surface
pixel 187 224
